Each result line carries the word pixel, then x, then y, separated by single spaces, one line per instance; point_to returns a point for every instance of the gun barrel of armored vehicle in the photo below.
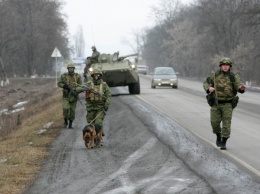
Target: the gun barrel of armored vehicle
pixel 118 72
pixel 125 56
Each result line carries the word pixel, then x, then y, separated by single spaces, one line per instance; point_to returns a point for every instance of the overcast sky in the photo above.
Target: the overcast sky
pixel 106 23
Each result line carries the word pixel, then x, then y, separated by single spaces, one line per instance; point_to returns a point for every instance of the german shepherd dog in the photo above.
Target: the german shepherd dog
pixel 92 135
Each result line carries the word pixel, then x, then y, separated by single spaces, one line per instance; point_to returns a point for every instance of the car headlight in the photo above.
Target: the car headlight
pixel 132 66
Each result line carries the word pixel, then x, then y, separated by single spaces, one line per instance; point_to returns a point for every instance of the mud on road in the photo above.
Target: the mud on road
pixel 143 152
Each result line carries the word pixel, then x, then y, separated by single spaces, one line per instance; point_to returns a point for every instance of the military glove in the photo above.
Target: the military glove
pixel 66 87
pixel 241 89
pixel 105 108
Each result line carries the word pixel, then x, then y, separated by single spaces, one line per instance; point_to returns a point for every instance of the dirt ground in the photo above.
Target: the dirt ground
pixel 24 138
pixel 21 89
pixel 140 154
pixel 24 91
pixel 143 152
pixel 131 159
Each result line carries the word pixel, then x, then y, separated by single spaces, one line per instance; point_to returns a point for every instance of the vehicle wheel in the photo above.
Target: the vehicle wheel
pixel 175 87
pixel 134 88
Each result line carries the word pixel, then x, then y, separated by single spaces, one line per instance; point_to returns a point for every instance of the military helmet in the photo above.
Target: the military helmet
pixel 96 71
pixel 93 47
pixel 225 60
pixel 70 65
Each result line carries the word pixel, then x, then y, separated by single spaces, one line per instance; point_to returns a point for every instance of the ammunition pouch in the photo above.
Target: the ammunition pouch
pixel 210 99
pixel 234 101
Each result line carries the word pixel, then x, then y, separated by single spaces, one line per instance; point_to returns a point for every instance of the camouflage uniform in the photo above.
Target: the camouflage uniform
pixel 69 100
pixel 96 105
pixel 92 59
pixel 223 111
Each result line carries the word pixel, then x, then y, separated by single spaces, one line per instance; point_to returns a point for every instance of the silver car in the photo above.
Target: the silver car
pixel 164 76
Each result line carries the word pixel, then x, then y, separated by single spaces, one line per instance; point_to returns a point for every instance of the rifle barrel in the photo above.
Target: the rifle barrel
pixel 87 88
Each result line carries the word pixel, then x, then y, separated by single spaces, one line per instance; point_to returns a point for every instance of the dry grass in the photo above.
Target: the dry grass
pixel 32 91
pixel 23 149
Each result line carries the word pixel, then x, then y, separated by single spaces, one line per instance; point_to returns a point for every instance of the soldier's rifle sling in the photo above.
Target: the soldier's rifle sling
pixel 97 116
pixel 216 96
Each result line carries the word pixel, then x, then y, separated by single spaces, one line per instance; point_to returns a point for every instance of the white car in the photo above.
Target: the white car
pixel 164 76
pixel 142 69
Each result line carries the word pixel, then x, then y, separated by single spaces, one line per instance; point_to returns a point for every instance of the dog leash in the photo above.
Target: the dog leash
pixel 96 117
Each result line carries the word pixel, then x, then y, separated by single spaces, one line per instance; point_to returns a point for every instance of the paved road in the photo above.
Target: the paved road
pixel 189 108
pixel 145 150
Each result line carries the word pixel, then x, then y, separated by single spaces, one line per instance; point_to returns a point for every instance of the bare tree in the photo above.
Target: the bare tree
pixel 79 42
pixel 6 38
pixel 159 43
pixel 137 41
pixel 183 47
pixel 193 38
pixel 153 50
pixel 30 30
pixel 251 9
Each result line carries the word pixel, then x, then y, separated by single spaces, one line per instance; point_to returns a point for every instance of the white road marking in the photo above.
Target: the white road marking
pixel 246 165
pixel 122 172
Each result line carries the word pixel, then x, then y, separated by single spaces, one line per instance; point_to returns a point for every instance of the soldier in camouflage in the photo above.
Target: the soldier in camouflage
pixel 68 81
pixel 97 99
pixel 90 60
pixel 224 89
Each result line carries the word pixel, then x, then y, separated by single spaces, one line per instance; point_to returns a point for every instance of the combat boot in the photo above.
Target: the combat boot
pixel 70 124
pixel 223 143
pixel 218 141
pixel 65 123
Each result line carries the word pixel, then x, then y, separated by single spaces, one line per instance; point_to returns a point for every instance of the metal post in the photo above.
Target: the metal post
pixel 56 54
pixel 56 70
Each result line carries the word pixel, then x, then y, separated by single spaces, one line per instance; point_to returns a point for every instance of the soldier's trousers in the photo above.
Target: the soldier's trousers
pixel 69 109
pixel 221 113
pixel 96 116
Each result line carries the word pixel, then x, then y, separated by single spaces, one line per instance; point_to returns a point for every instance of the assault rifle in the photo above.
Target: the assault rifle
pixel 215 92
pixel 73 92
pixel 86 88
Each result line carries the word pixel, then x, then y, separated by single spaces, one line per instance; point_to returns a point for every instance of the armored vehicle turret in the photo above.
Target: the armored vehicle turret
pixel 118 71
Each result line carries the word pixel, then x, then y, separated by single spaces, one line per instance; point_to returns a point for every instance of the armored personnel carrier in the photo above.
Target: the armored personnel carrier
pixel 118 71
